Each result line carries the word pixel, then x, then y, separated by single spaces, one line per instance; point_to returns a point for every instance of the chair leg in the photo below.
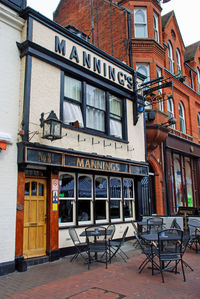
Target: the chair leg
pixel 161 270
pixel 183 270
pixel 186 264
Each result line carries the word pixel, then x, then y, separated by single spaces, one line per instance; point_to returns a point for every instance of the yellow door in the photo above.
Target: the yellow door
pixel 35 218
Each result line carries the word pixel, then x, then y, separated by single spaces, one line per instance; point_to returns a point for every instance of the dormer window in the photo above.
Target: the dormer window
pixel 140 21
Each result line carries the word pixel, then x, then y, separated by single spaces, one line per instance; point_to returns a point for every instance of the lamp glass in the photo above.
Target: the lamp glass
pixel 47 129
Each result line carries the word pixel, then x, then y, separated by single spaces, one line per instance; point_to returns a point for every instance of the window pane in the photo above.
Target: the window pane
pixel 84 213
pixel 96 105
pixel 33 188
pixel 128 188
pixel 189 184
pixel 41 190
pixel 66 188
pixel 65 211
pixel 115 128
pixel 100 209
pixel 72 88
pixel 115 106
pixel 178 184
pixel 84 187
pixel 128 208
pixel 101 187
pixel 72 113
pixel 115 209
pixel 115 188
pixel 26 191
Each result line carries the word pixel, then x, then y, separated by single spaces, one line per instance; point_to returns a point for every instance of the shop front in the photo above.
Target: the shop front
pixel 88 171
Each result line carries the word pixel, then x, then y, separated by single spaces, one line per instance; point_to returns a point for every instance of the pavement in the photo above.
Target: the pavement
pixel 65 280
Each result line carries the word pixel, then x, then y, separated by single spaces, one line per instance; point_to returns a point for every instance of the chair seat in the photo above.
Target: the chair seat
pixel 114 243
pixel 170 258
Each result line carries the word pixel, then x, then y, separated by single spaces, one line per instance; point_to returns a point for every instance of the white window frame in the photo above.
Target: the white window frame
pixel 156 27
pixel 159 74
pixel 181 117
pixel 118 199
pixel 144 69
pixel 198 120
pixel 131 199
pixel 170 57
pixel 178 61
pixel 141 24
pixel 170 110
pixel 198 80
pixel 105 199
pixel 86 198
pixel 73 199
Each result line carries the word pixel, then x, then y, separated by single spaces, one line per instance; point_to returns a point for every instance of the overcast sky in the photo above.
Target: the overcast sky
pixel 187 14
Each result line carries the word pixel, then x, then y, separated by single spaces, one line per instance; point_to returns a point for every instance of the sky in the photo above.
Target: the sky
pixel 186 11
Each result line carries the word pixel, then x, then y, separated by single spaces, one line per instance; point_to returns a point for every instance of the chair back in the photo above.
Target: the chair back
pixel 174 224
pixel 154 224
pixel 111 228
pixel 74 236
pixel 134 227
pixel 192 225
pixel 170 243
pixel 124 235
pixel 144 246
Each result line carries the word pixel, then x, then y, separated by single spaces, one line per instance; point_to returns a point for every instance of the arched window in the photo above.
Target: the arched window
pixel 178 61
pixel 143 68
pixel 155 25
pixel 140 21
pixel 198 78
pixel 170 58
pixel 181 117
pixel 170 109
pixel 198 119
pixel 159 74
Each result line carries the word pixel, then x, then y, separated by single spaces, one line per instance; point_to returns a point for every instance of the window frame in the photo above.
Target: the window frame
pixel 156 27
pixel 159 74
pixel 83 106
pixel 178 61
pixel 130 199
pixel 99 199
pixel 170 111
pixel 91 199
pixel 146 67
pixel 181 117
pixel 117 199
pixel 170 57
pixel 198 79
pixel 141 24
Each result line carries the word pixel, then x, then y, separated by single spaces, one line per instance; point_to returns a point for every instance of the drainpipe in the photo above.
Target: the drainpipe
pixel 129 38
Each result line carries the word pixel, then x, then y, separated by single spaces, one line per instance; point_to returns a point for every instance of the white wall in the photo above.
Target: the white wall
pixel 10 33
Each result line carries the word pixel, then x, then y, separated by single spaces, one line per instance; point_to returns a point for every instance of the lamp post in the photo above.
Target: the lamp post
pixel 52 127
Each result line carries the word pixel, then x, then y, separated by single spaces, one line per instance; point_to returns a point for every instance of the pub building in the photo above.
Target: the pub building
pixel 81 147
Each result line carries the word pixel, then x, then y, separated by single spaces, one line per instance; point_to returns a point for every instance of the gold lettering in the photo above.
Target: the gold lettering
pixel 93 164
pixel 87 164
pixel 80 162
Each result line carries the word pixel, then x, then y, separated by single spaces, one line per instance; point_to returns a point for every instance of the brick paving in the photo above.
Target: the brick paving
pixel 62 279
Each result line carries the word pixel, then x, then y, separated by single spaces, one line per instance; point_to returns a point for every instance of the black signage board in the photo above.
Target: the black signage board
pixel 95 164
pixel 139 170
pixel 164 85
pixel 43 157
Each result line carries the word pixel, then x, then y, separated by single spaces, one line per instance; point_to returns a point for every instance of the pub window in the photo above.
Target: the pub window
pixel 101 199
pixel 188 177
pixel 178 183
pixel 85 204
pixel 72 102
pixel 96 106
pixel 115 199
pixel 67 199
pixel 92 108
pixel 115 116
pixel 128 194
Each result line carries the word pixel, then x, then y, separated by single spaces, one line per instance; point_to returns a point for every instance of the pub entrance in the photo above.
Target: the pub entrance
pixel 35 202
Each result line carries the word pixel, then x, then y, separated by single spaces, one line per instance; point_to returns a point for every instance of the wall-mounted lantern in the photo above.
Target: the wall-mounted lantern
pixel 52 126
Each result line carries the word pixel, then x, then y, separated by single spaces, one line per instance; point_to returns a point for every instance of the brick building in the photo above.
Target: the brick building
pixel 137 34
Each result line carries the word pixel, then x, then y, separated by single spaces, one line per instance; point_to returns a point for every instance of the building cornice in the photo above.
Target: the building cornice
pixel 10 18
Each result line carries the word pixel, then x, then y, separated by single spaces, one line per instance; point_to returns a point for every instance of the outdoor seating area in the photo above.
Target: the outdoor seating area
pixel 164 247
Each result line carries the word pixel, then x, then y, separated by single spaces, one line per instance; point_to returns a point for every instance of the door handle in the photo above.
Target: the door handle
pixel 33 224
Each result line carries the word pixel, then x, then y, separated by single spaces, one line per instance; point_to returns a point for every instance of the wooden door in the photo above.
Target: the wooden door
pixel 35 218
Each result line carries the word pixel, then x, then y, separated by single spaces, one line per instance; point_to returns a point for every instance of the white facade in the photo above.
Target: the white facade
pixel 10 33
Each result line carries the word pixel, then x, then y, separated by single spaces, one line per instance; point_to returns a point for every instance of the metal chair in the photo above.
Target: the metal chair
pixel 194 232
pixel 80 246
pixel 148 250
pixel 116 247
pixel 174 224
pixel 170 249
pixel 96 239
pixel 154 224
